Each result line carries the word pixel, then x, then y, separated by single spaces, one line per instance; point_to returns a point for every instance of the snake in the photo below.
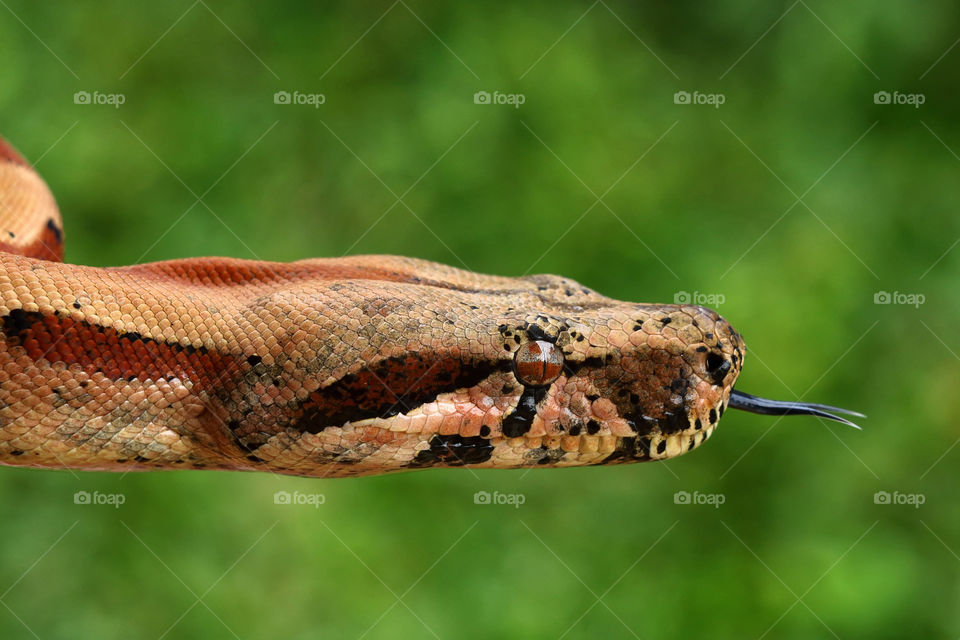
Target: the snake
pixel 339 367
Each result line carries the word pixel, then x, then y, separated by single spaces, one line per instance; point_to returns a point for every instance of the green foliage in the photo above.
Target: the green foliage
pixel 694 199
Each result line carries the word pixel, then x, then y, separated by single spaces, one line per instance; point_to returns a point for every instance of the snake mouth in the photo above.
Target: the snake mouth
pixel 753 404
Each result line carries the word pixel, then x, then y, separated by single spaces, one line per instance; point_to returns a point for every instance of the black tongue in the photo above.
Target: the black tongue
pixel 753 404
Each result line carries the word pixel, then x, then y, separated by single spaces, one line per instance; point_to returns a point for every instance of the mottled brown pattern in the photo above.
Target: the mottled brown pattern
pixel 336 367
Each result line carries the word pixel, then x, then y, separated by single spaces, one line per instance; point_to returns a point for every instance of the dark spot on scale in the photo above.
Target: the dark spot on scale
pixel 717 367
pixel 720 412
pixel 713 416
pixel 76 305
pixel 662 446
pixel 701 349
pixel 16 452
pixel 592 396
pixel 536 332
pixel 634 398
pixel 254 360
pixel 11 234
pixel 626 450
pixel 57 232
pixel 253 458
pixel 520 420
pixel 17 322
pixel 593 427
pixel 140 459
pixel 666 321
pixel 637 327
pixel 84 384
pixel 708 336
pixel 484 431
pixel 643 444
pixel 507 388
pixel 673 421
pixel 698 424
pixel 502 329
pixel 575 430
pixel 453 451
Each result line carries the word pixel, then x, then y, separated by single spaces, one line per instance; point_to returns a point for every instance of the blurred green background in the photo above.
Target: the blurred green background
pixel 789 208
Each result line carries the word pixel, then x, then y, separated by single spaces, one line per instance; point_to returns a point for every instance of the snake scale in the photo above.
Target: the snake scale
pixel 338 367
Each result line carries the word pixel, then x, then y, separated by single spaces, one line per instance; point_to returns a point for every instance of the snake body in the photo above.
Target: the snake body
pixel 338 367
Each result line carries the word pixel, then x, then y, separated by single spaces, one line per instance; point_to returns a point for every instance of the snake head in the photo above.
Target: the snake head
pixel 621 382
pixel 617 382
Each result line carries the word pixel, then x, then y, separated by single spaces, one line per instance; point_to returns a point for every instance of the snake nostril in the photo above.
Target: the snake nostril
pixel 717 367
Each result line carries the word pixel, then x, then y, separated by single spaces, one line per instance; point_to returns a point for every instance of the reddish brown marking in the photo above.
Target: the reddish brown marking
pixel 9 154
pixel 116 355
pixel 220 272
pixel 49 246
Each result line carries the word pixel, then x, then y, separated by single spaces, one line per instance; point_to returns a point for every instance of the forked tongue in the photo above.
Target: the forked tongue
pixel 753 404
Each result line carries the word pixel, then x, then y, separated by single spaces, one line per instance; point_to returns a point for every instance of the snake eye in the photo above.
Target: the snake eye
pixel 538 363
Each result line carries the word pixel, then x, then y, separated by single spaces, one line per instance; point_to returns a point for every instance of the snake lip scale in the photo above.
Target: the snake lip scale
pixel 339 367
